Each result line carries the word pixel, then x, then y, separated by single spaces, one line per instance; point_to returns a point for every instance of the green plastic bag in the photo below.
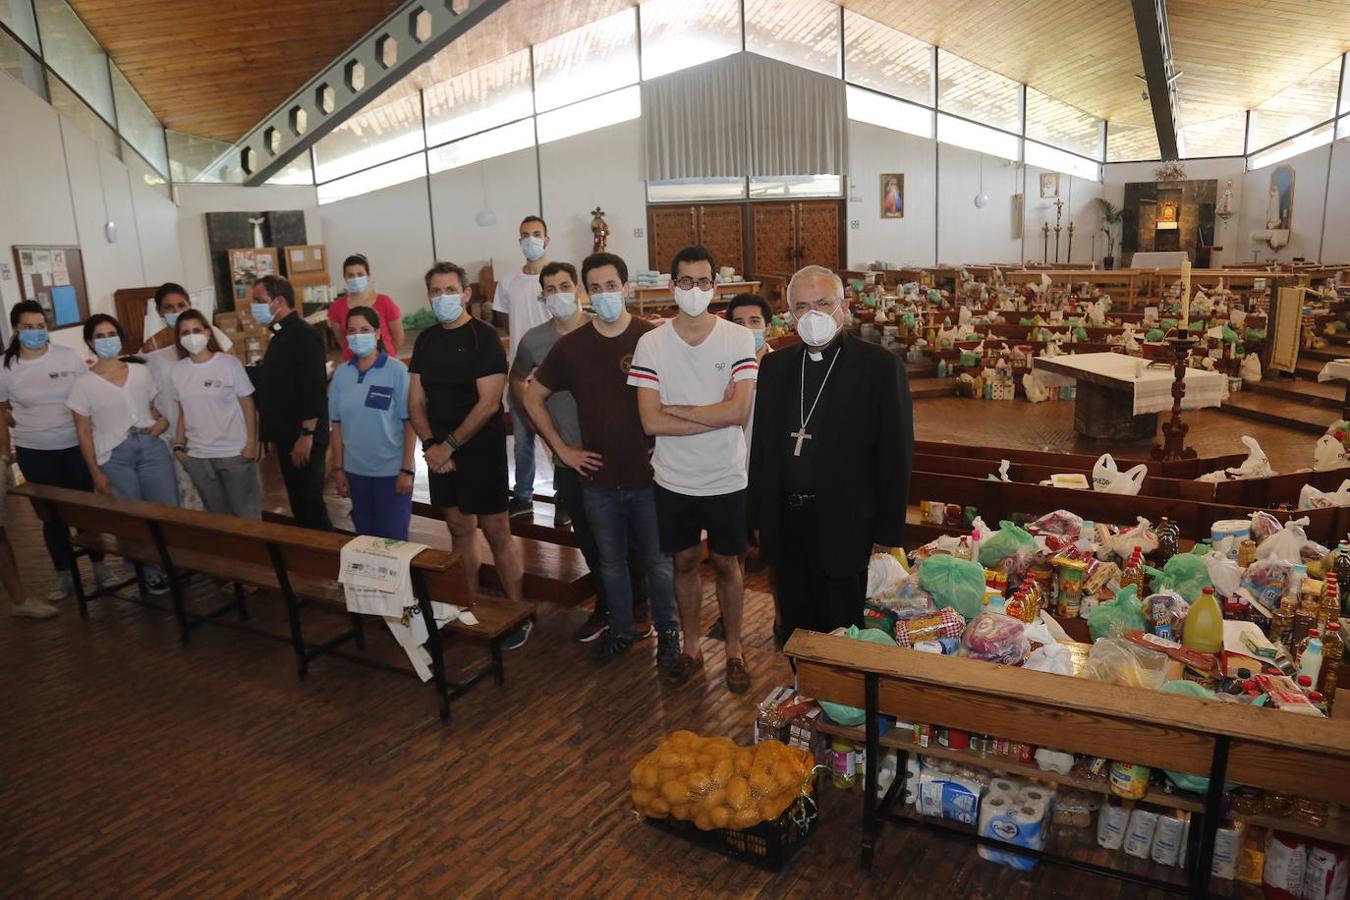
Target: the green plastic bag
pixel 958 583
pixel 1256 335
pixel 1229 335
pixel 969 359
pixel 1154 335
pixel 1115 617
pixel 851 715
pixel 422 319
pixel 1008 541
pixel 1080 333
pixel 1187 574
pixel 909 320
pixel 1027 323
pixel 1167 324
pixel 1197 326
pixel 1185 780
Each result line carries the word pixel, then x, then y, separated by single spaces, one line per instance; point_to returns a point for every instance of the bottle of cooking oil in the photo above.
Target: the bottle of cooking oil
pixel 1203 628
pixel 1330 610
pixel 1333 651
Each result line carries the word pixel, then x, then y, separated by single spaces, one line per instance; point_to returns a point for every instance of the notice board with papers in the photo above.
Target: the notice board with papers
pixel 53 275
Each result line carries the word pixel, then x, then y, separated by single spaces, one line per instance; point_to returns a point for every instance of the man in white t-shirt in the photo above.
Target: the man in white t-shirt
pixel 695 378
pixel 517 307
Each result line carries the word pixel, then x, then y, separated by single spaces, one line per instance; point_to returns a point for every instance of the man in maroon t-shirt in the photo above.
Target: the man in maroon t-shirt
pixel 614 459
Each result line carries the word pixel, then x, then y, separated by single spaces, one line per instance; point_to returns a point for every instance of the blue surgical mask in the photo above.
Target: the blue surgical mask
pixel 759 337
pixel 171 319
pixel 447 307
pixel 34 338
pixel 563 305
pixel 608 305
pixel 262 313
pixel 358 284
pixel 532 247
pixel 108 347
pixel 361 344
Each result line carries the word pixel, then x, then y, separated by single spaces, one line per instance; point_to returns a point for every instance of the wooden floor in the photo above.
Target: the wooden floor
pixel 132 767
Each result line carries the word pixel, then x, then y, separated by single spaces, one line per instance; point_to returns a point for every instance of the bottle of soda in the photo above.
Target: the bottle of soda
pixel 1342 569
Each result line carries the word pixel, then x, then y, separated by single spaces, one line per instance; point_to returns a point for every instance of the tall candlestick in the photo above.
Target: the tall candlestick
pixel 1185 295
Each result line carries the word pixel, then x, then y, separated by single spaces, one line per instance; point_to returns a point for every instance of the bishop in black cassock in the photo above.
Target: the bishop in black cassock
pixel 826 491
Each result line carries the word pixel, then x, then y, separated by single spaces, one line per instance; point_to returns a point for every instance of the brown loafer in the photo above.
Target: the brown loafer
pixel 683 668
pixel 738 677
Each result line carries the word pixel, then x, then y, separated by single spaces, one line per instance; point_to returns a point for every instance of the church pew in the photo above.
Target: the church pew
pixel 1153 485
pixel 1277 489
pixel 997 500
pixel 1181 468
pixel 300 564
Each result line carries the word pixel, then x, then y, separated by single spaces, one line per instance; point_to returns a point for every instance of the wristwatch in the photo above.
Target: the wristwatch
pixel 433 441
pixel 409 472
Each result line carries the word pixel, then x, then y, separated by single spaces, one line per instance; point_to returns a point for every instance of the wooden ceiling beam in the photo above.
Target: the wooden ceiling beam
pixel 1150 23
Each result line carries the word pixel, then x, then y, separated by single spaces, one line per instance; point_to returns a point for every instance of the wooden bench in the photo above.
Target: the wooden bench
pixel 300 564
pixel 1180 468
pixel 1292 754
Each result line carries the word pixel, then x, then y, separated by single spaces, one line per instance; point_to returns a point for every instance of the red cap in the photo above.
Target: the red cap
pixel 1313 632
pixel 1316 696
pixel 1333 626
pixel 1305 681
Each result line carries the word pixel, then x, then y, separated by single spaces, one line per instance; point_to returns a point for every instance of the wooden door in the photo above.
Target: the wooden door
pixel 721 229
pixel 819 226
pixel 669 230
pixel 775 238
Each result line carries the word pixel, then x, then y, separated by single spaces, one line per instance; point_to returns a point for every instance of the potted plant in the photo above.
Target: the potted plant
pixel 1111 218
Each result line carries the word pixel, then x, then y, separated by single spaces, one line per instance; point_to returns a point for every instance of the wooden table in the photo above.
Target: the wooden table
pixel 1119 397
pixel 1338 369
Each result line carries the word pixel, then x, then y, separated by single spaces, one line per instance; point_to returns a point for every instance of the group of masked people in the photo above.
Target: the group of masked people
pixel 660 434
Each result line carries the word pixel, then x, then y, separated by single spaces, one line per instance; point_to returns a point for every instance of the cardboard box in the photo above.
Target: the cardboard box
pixel 227 322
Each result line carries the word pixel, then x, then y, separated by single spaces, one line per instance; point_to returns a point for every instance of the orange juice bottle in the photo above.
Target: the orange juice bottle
pixel 1203 628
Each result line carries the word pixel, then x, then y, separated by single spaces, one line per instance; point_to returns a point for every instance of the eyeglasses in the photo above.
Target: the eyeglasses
pixel 685 282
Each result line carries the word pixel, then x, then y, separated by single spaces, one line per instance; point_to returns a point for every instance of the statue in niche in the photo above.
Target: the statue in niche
pixel 257 231
pixel 1280 201
pixel 1226 202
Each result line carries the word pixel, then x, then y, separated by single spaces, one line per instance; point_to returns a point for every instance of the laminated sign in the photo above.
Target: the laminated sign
pixel 374 575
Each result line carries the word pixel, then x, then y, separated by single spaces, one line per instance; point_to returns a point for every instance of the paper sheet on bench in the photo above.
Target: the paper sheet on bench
pixel 374 576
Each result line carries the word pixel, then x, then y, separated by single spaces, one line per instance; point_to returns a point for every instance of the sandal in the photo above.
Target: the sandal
pixel 738 677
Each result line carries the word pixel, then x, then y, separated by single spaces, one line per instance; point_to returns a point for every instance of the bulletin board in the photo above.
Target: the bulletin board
pixel 53 275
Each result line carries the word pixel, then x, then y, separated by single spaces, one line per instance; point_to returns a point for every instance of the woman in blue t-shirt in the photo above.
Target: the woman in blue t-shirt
pixel 373 441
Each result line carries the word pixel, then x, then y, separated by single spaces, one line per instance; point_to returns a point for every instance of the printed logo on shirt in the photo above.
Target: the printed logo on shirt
pixel 213 383
pixel 71 373
pixel 379 397
pixel 625 363
pixel 719 366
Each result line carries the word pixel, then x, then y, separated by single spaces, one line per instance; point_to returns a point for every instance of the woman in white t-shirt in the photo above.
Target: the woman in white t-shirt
pixel 119 427
pixel 35 380
pixel 217 437
pixel 160 352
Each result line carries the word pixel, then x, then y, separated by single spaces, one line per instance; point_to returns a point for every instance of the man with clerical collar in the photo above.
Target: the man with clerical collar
pixel 830 460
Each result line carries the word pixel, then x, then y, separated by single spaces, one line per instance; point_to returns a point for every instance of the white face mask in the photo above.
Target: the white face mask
pixel 563 305
pixel 693 301
pixel 817 328
pixel 195 343
pixel 532 247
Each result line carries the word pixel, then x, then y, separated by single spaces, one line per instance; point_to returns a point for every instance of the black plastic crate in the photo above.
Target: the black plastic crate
pixel 768 845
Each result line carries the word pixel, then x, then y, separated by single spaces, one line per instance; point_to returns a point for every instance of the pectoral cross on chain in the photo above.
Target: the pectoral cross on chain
pixel 802 435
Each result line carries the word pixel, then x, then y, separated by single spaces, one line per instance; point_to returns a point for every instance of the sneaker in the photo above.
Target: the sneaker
pixel 520 507
pixel 61 586
pixel 517 638
pixel 667 647
pixel 32 609
pixel 738 676
pixel 561 517
pixel 106 576
pixel 594 626
pixel 643 630
pixel 157 584
pixel 610 647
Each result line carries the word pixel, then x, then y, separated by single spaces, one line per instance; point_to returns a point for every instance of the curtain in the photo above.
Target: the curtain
pixel 743 115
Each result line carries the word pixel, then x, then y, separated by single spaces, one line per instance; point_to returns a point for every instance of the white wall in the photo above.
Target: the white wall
pixel 601 168
pixel 1336 236
pixel 58 187
pixel 873 150
pixel 399 249
pixel 1079 208
pixel 508 186
pixel 1310 195
pixel 196 200
pixel 967 233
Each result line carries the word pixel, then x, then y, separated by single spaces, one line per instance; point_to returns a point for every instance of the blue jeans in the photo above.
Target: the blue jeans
pixel 58 468
pixel 613 516
pixel 141 468
pixel 523 438
pixel 377 508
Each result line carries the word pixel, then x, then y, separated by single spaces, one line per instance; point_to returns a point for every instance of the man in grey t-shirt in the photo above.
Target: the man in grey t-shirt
pixel 559 283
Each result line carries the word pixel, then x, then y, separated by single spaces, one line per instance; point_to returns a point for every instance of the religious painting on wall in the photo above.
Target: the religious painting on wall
pixel 1049 185
pixel 1280 202
pixel 893 196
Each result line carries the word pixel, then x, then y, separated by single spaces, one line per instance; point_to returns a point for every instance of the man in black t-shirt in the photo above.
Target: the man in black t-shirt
pixel 455 404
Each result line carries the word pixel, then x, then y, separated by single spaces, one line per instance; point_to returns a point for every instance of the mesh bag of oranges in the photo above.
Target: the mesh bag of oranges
pixel 716 783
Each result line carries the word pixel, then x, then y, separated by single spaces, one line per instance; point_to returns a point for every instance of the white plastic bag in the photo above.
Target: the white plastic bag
pixel 1141 535
pixel 1329 454
pixel 1310 497
pixel 884 572
pixel 1108 479
pixel 1036 391
pixel 1256 465
pixel 1250 369
pixel 1285 544
pixel 1224 573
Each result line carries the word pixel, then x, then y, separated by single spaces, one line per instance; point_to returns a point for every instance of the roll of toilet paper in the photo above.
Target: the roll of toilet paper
pixel 1112 823
pixel 1004 787
pixel 1036 798
pixel 1015 823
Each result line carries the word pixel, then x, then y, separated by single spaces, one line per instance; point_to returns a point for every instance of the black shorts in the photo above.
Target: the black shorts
pixel 682 519
pixel 477 487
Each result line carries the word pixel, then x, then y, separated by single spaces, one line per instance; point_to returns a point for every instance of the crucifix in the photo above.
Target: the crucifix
pixel 802 435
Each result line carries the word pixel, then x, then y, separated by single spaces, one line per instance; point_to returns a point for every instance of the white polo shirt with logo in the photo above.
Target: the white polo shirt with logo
pixel 712 463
